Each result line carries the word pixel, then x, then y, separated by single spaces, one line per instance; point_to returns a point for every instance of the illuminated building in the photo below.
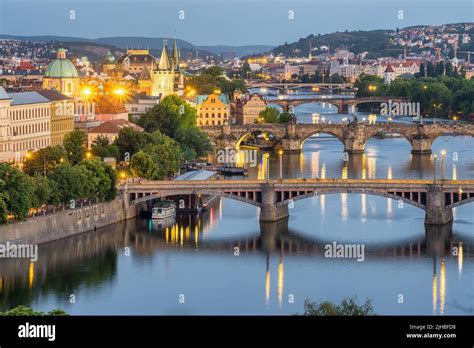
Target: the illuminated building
pixel 135 61
pixel 167 78
pixel 109 64
pixel 25 124
pixel 62 115
pixel 249 109
pixel 62 75
pixel 110 130
pixel 212 109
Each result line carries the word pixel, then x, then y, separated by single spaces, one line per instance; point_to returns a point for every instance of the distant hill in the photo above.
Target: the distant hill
pixel 374 41
pixel 125 42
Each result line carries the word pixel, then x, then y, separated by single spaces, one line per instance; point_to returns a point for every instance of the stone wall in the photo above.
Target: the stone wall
pixel 64 224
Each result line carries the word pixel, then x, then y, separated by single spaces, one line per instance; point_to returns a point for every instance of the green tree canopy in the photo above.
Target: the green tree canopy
pixel 16 192
pixel 45 159
pixel 74 144
pixel 347 307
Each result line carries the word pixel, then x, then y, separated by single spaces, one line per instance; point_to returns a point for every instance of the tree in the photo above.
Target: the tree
pixel 284 117
pixel 129 141
pixel 171 114
pixel 193 142
pixel 98 182
pixel 44 160
pixel 27 311
pixel 17 192
pixel 74 145
pixel 101 147
pixel 165 152
pixel 142 165
pixel 66 183
pixel 268 115
pixel 370 86
pixel 347 307
pixel 42 190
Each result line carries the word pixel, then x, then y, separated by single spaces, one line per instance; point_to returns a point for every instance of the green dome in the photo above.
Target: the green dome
pixel 61 68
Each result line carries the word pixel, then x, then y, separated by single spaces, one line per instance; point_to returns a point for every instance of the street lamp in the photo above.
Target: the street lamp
pixel 434 169
pixel 267 159
pixel 280 154
pixel 443 161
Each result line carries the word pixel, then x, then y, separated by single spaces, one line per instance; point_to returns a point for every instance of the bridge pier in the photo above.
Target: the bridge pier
pixel 354 146
pixel 269 211
pixel 437 213
pixel 421 145
pixel 291 143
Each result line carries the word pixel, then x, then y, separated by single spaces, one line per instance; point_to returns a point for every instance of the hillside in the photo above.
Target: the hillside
pixel 374 41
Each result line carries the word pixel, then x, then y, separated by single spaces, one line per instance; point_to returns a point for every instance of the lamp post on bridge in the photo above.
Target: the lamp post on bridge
pixel 443 161
pixel 434 169
pixel 280 154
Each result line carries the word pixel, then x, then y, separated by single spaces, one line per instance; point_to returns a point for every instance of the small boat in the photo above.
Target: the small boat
pixel 163 210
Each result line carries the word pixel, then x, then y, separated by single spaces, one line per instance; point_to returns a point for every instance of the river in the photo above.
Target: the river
pixel 226 262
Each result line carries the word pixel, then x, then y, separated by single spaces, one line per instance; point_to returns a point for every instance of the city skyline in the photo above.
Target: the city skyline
pixel 212 27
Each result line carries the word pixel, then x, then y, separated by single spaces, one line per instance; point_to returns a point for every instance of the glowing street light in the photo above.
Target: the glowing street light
pixel 434 169
pixel 280 154
pixel 123 175
pixel 119 91
pixel 88 155
pixel 443 161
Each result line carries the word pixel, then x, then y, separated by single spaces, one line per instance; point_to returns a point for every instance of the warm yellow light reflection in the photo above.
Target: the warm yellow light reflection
pixel 31 274
pixel 280 281
pixel 442 286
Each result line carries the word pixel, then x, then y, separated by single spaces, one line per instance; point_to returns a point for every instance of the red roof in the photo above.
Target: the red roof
pixel 389 69
pixel 114 127
pixel 26 65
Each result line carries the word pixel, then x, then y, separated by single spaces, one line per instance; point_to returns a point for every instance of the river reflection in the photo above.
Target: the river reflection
pixel 223 267
pixel 228 263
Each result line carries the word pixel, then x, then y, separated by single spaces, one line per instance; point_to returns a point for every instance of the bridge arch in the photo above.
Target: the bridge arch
pixel 234 196
pixel 357 191
pixel 328 132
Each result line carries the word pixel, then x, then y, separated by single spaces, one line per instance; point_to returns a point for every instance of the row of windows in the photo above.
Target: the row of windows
pixel 214 108
pixel 17 115
pixel 214 115
pixel 62 126
pixel 211 123
pixel 30 144
pixel 29 128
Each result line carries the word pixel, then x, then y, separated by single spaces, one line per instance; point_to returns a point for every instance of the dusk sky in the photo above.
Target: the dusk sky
pixel 227 22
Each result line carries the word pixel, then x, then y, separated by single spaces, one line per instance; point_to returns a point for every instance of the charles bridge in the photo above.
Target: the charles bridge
pixel 273 197
pixel 352 135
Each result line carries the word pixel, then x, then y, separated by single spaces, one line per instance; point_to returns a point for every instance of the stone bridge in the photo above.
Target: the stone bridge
pixel 273 196
pixel 342 104
pixel 352 135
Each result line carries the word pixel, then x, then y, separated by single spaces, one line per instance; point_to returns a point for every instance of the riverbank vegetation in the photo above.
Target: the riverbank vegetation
pixel 27 311
pixel 441 96
pixel 347 307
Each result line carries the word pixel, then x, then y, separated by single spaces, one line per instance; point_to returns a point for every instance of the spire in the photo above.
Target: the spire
pixel 164 60
pixel 175 56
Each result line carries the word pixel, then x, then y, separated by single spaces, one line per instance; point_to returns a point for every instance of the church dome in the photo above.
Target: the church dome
pixel 61 67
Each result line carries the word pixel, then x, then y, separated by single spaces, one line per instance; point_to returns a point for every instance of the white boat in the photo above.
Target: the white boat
pixel 163 210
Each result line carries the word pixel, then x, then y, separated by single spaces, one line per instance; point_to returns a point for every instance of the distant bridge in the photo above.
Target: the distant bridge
pixel 273 196
pixel 343 104
pixel 286 86
pixel 352 135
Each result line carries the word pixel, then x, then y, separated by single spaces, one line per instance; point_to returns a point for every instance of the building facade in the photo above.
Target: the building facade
pixel 62 115
pixel 213 109
pixel 167 79
pixel 25 124
pixel 249 108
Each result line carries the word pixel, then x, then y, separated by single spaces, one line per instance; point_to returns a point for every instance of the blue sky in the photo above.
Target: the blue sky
pixel 228 22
